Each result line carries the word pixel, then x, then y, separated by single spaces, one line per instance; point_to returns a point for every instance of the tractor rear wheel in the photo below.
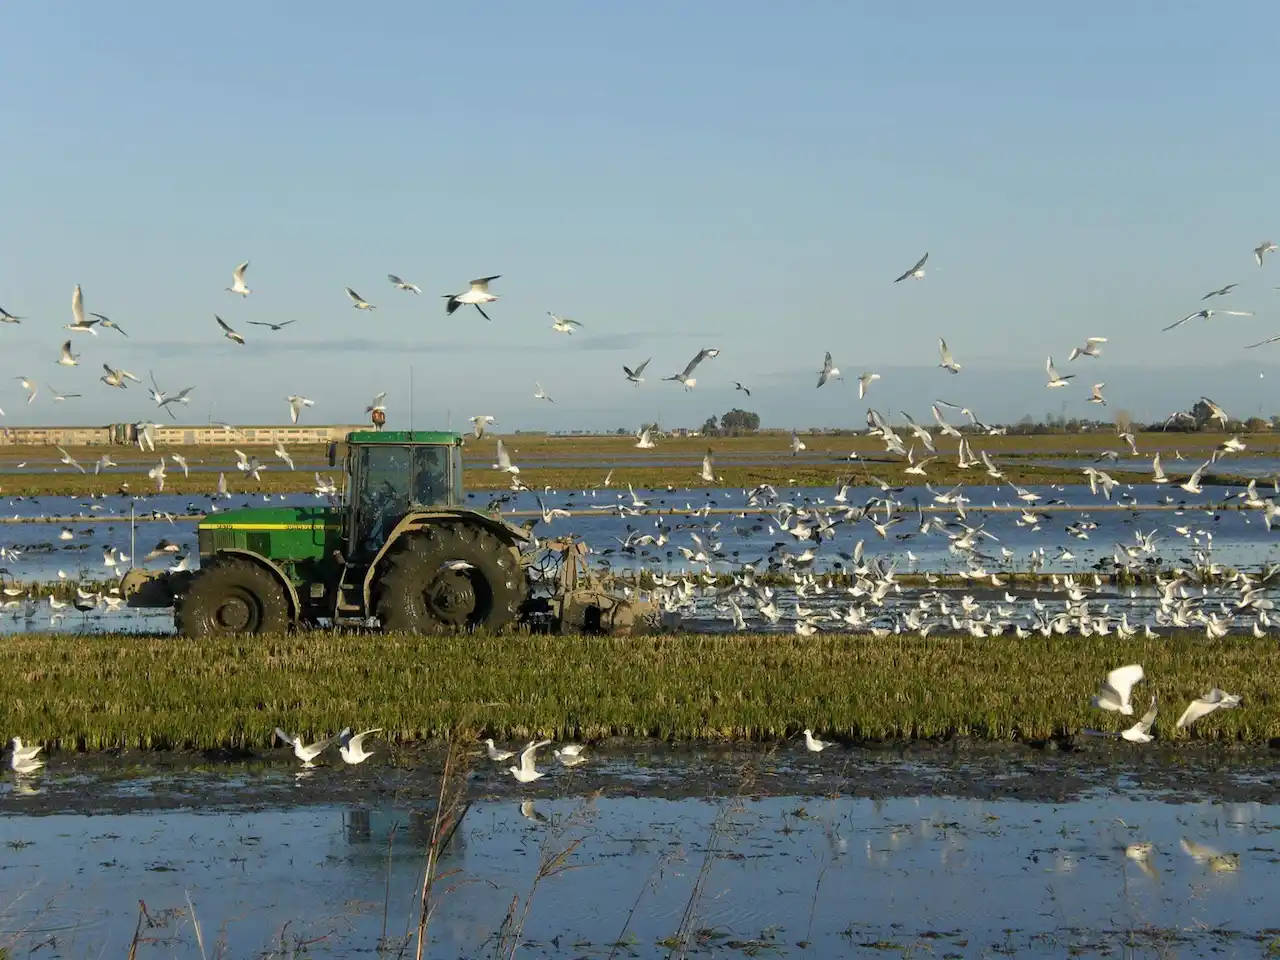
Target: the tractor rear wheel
pixel 230 597
pixel 449 577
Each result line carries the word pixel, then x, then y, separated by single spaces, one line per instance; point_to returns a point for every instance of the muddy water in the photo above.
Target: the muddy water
pixel 961 853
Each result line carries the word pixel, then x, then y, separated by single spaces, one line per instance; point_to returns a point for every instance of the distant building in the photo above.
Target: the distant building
pixel 175 435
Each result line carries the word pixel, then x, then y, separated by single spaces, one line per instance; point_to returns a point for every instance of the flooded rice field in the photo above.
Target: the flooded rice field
pixel 904 537
pixel 730 852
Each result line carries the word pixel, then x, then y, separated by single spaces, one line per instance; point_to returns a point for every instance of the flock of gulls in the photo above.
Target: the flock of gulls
pixel 807 531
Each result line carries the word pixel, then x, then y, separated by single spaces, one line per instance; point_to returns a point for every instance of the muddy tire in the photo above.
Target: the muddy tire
pixel 231 597
pixel 449 577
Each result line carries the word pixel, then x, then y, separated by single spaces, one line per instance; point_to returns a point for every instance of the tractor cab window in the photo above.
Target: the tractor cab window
pixel 385 481
pixel 430 476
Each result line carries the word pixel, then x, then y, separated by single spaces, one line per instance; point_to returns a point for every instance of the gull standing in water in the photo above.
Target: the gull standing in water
pixel 916 272
pixel 23 761
pixel 1090 348
pixel 403 285
pixel 864 383
pixel 306 752
pixel 1055 379
pixel 495 753
pixel 237 280
pixel 525 771
pixel 1207 314
pixel 686 376
pixel 1262 249
pixel 636 375
pixel 948 361
pixel 358 301
pixel 828 370
pixel 228 332
pixel 476 295
pixel 296 403
pixel 813 744
pixel 1215 699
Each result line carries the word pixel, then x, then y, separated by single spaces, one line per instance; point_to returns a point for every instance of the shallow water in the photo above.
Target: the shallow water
pixel 1083 536
pixel 814 871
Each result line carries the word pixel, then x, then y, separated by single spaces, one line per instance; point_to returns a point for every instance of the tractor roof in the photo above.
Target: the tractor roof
pixel 405 436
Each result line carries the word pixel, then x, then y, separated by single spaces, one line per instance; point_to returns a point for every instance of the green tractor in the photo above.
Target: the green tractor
pixel 401 551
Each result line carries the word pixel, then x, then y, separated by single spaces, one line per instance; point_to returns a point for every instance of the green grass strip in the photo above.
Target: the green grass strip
pixel 102 692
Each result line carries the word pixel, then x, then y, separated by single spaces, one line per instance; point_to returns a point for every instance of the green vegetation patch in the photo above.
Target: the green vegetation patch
pixel 102 692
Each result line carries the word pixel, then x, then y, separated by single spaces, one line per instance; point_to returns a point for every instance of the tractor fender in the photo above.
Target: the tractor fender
pixel 295 605
pixel 416 520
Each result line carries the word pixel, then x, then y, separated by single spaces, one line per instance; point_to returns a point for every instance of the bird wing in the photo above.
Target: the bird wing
pixel 356 743
pixel 640 369
pixel 238 273
pixel 77 306
pixel 353 295
pixel 944 350
pixel 481 285
pixel 1179 323
pixel 223 324
pixel 504 458
pixel 1237 313
pixel 286 737
pixel 1122 679
pixel 528 756
pixel 482 313
pixel 1148 718
pixel 1196 709
pixel 394 279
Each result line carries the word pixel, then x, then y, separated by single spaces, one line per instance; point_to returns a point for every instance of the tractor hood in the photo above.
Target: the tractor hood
pixel 278 533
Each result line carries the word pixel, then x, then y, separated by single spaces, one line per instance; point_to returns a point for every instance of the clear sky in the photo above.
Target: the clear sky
pixel 738 174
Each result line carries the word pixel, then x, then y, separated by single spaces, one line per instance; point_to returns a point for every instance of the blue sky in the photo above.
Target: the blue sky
pixel 743 175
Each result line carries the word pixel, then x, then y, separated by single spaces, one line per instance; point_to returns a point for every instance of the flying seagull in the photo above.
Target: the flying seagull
pixel 1215 699
pixel 1221 291
pixel 7 317
pixel 30 385
pixel 526 771
pixel 1208 315
pixel 948 361
pixel 1262 249
pixel 306 752
pixel 686 376
pixel 636 375
pixel 1096 396
pixel 865 381
pixel 61 396
pixel 78 322
pixel 1055 379
pixel 504 460
pixel 828 371
pixel 237 280
pixel 352 748
pixel 1262 343
pixel 358 301
pixel 296 403
pixel 274 326
pixel 476 295
pixel 403 285
pixel 479 423
pixel 109 323
pixel 916 272
pixel 1090 348
pixel 379 403
pixel 738 386
pixel 67 359
pixel 562 324
pixel 1116 690
pixel 228 332
pixel 540 394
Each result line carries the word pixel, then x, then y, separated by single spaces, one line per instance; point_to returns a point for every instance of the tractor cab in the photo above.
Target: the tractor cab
pixel 392 473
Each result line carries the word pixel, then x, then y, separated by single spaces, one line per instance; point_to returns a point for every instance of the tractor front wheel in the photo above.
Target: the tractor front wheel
pixel 232 597
pixel 447 578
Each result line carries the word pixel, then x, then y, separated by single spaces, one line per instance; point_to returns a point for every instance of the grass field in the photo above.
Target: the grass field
pixel 583 462
pixel 93 693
